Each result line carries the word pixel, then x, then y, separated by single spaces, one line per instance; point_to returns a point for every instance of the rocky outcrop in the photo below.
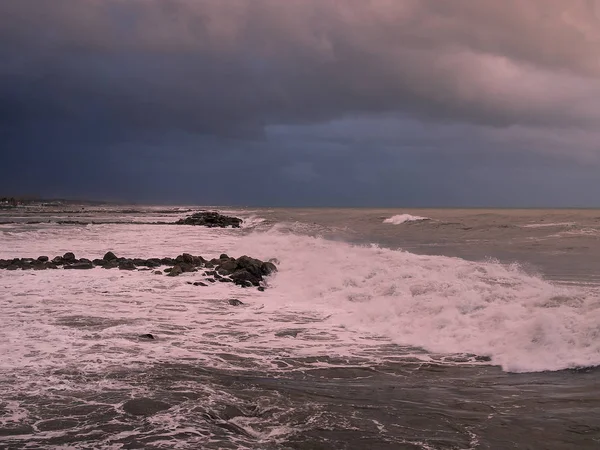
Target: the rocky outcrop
pixel 211 219
pixel 243 271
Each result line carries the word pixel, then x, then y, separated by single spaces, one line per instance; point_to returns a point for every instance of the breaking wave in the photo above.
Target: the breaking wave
pixel 402 218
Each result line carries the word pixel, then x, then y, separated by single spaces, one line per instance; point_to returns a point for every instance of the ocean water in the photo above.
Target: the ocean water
pixel 382 329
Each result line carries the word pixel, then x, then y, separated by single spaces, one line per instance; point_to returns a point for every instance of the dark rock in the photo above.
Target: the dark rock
pixel 80 265
pixel 211 280
pixel 251 265
pixel 227 267
pixel 199 283
pixel 51 265
pixel 157 272
pixel 175 271
pixel 225 280
pixel 153 262
pixel 98 262
pixel 186 268
pixel 144 406
pixel 43 258
pixel 69 257
pixel 127 265
pixel 112 264
pixel 167 261
pixel 85 260
pixel 267 268
pixel 58 260
pixel 147 336
pixel 40 266
pixel 224 256
pixel 109 256
pixel 140 262
pixel 243 277
pixel 12 267
pixel 198 261
pixel 210 219
pixel 235 302
pixel 187 258
pixel 261 288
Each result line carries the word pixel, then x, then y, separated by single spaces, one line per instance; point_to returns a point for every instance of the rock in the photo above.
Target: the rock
pixel 157 272
pixel 85 260
pixel 243 277
pixel 210 219
pixel 98 262
pixel 111 264
pixel 58 260
pixel 127 265
pixel 235 302
pixel 109 256
pixel 43 258
pixel 186 268
pixel 199 283
pixel 147 336
pixel 144 406
pixel 252 265
pixel 175 271
pixel 167 261
pixel 69 257
pixel 187 258
pixel 224 256
pixel 267 268
pixel 227 267
pixel 199 261
pixel 80 265
pixel 261 288
pixel 153 262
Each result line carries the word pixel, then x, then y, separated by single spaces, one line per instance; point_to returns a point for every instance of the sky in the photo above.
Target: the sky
pixel 395 103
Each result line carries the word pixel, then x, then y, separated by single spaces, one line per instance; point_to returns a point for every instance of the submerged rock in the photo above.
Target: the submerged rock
pixel 235 302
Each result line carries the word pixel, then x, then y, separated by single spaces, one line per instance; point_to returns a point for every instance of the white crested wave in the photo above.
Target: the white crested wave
pixel 402 218
pixel 328 298
pixel 548 225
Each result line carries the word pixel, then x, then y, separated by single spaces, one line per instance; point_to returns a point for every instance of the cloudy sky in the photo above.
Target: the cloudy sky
pixel 302 102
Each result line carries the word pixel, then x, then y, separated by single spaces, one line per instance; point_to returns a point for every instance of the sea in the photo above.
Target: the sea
pixel 382 329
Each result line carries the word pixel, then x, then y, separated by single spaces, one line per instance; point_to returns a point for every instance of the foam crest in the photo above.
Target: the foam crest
pixel 402 218
pixel 446 305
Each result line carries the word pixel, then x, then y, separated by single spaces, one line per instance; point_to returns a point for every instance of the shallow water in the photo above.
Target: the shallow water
pixel 473 329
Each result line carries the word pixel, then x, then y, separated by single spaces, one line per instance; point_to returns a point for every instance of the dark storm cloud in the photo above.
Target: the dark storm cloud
pixel 232 66
pixel 305 101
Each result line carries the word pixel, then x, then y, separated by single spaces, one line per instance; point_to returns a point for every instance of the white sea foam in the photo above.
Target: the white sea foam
pixel 403 218
pixel 548 225
pixel 328 298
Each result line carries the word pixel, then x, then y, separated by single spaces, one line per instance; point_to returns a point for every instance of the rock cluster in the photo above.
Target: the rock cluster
pixel 210 219
pixel 243 271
